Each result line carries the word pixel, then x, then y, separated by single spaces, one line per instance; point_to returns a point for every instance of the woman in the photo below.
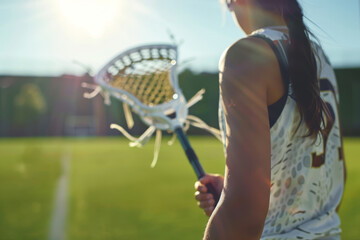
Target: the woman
pixel 284 173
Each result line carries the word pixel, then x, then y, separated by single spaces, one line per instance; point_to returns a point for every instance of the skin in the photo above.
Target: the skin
pixel 250 81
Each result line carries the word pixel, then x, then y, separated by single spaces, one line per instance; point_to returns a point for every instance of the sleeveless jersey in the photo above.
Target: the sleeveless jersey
pixel 307 177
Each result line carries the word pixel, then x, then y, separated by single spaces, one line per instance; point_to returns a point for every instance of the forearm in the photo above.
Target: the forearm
pixel 215 228
pixel 242 209
pixel 229 223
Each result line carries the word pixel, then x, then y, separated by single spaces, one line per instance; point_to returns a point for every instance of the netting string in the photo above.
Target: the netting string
pixel 156 147
pixel 128 116
pixel 144 138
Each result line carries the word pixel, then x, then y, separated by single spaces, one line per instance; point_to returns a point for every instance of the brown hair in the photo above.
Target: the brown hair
pixel 302 66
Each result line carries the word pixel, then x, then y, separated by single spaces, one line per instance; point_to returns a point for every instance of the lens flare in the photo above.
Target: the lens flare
pixel 91 16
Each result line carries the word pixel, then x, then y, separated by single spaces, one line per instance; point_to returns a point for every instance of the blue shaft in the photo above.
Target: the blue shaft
pixel 194 161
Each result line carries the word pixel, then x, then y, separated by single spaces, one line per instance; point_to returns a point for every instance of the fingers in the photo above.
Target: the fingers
pixel 204 199
pixel 200 187
pixel 206 202
pixel 201 184
pixel 208 211
pixel 203 196
pixel 207 179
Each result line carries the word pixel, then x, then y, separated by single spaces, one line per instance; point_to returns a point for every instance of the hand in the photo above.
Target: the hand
pixel 206 200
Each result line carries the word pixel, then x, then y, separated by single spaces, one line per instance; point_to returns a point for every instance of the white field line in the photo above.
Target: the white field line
pixel 58 219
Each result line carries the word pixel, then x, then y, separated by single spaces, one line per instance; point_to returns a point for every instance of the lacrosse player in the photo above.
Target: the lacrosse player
pixel 278 111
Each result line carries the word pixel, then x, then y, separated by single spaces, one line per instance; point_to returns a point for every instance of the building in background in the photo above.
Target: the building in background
pixel 49 106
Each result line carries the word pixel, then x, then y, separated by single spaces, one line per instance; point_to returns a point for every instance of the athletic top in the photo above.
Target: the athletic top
pixel 307 178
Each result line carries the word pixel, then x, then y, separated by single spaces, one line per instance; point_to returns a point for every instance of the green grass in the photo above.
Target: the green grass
pixel 113 192
pixel 350 208
pixel 116 195
pixel 28 174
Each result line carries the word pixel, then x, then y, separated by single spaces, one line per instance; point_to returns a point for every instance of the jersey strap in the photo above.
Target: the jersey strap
pixel 276 108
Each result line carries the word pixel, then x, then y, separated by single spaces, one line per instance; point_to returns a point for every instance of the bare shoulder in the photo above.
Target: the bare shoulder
pixel 250 59
pixel 252 50
pixel 251 65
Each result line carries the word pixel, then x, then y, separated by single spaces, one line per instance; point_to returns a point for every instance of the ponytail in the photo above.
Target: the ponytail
pixel 303 71
pixel 302 67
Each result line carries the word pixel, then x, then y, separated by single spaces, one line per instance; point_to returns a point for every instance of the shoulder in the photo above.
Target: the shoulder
pixel 247 62
pixel 250 51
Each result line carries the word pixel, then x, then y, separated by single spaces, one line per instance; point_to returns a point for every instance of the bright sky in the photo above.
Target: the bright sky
pixel 44 37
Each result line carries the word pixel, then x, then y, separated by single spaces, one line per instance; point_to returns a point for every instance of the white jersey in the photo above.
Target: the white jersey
pixel 307 178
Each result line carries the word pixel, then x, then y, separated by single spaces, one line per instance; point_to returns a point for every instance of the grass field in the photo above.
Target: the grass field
pixel 113 192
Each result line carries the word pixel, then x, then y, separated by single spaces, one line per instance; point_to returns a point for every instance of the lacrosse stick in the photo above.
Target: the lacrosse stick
pixel 145 79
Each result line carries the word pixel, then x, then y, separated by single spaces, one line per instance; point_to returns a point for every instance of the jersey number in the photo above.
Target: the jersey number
pixel 319 160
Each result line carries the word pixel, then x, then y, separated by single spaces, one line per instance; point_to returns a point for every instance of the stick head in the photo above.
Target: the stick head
pixel 145 78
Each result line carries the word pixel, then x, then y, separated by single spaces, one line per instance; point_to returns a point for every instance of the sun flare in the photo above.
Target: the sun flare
pixel 92 16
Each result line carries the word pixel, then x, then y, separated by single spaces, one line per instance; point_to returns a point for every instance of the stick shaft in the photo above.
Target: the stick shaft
pixel 190 153
pixel 194 161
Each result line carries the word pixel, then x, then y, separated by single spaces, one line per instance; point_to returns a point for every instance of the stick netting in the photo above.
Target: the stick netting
pixel 146 74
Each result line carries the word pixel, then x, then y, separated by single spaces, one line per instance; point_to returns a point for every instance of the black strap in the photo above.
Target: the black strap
pixel 281 56
pixel 276 108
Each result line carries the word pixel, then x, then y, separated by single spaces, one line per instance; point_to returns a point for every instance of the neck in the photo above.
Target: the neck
pixel 258 18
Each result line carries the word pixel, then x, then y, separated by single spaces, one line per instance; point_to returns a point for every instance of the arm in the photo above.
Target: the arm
pixel 242 209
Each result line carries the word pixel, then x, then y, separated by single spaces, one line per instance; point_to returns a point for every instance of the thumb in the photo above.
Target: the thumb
pixel 206 179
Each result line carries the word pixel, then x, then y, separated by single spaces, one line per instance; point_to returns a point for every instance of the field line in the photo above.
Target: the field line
pixel 58 219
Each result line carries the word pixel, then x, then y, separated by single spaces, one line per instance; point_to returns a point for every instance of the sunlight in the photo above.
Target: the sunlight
pixel 92 16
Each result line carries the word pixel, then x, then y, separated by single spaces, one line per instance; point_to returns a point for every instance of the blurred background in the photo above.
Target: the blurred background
pixel 64 174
